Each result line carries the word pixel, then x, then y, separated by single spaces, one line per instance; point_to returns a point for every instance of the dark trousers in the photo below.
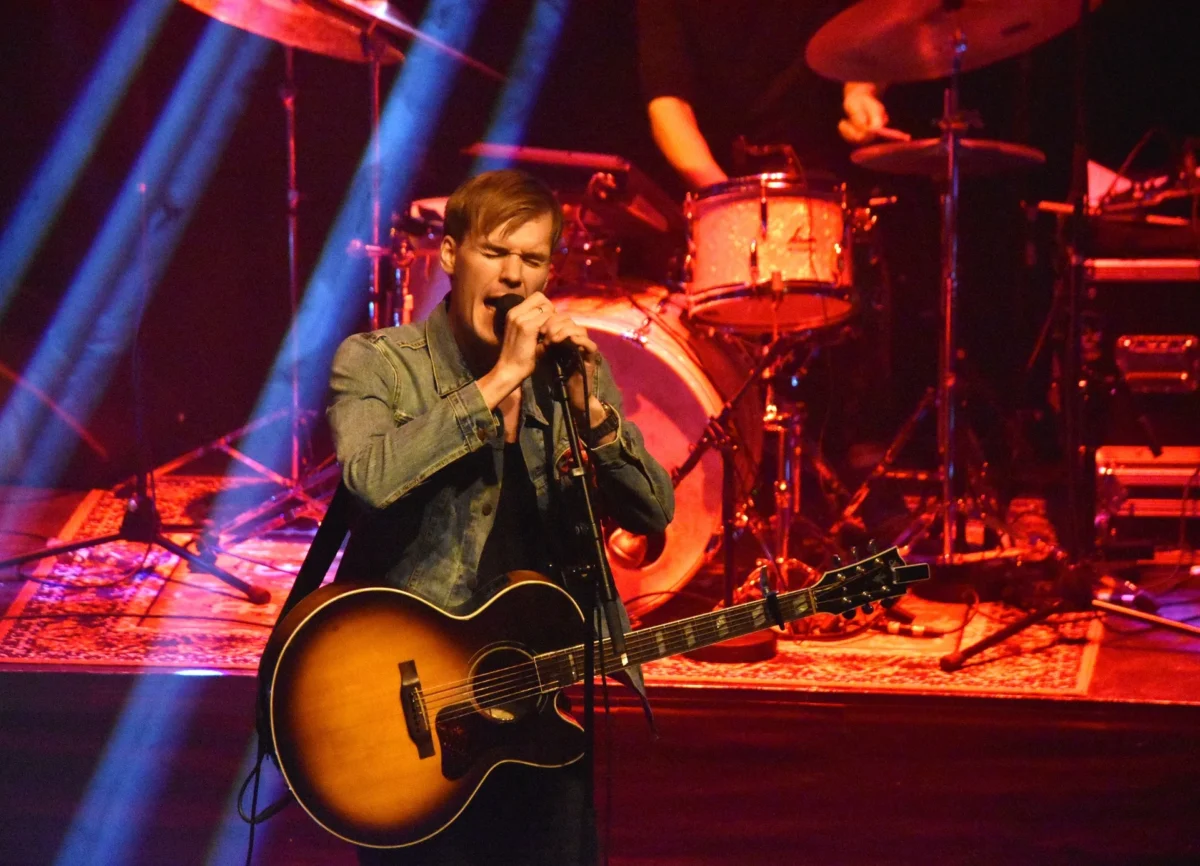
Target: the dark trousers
pixel 521 815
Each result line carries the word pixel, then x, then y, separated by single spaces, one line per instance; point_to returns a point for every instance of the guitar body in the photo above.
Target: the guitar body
pixel 340 669
pixel 387 714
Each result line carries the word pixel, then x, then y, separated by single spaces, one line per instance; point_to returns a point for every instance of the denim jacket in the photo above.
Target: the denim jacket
pixel 423 455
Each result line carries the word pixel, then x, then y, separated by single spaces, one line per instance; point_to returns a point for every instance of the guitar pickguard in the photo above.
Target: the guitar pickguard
pixel 467 736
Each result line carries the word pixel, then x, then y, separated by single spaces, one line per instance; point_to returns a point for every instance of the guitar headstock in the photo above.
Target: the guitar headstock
pixel 878 578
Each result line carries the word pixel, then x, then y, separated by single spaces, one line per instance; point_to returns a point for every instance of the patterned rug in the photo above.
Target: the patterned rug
pixel 1052 658
pixel 128 604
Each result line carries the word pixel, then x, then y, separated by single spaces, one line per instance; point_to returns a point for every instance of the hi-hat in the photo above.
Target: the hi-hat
pixel 928 157
pixel 914 40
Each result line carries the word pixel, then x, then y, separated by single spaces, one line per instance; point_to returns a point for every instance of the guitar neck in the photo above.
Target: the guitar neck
pixel 564 667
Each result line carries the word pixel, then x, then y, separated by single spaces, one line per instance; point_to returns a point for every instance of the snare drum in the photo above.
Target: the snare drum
pixel 769 253
pixel 672 381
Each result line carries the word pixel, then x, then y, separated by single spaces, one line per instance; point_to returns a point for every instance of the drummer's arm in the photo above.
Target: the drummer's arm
pixel 673 125
pixel 864 112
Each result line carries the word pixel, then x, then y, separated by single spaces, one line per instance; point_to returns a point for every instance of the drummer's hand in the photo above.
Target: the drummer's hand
pixel 864 112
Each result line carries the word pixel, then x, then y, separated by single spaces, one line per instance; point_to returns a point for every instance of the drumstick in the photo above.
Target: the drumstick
pixel 848 130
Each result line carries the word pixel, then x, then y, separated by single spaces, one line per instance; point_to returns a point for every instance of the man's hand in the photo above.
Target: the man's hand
pixel 520 349
pixel 559 330
pixel 864 112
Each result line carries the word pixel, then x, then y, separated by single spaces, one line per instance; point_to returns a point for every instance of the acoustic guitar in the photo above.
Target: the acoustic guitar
pixel 387 714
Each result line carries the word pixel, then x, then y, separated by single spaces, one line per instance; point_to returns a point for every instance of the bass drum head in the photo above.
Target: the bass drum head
pixel 672 381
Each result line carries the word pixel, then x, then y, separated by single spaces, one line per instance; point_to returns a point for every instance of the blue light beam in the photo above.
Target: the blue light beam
pixel 111 817
pixel 100 312
pixel 85 124
pixel 520 95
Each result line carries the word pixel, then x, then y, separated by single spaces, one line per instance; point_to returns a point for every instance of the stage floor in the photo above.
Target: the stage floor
pixel 1071 744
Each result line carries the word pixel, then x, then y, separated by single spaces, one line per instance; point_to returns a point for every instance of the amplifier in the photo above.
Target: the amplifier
pixel 1146 500
pixel 1140 350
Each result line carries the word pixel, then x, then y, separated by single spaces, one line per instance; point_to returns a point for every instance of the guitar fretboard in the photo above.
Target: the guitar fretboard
pixel 564 667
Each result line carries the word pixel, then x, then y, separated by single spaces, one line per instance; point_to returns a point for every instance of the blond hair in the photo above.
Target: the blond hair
pixel 497 198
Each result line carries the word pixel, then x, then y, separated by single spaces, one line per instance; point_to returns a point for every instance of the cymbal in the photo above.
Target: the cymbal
pixel 298 24
pixel 380 12
pixel 913 40
pixel 927 156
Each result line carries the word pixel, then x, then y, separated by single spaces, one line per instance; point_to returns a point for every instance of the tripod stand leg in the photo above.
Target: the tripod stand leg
pixel 1184 627
pixel 47 552
pixel 254 593
pixel 955 660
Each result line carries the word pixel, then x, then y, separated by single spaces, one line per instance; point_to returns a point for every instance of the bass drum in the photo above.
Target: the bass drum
pixel 673 379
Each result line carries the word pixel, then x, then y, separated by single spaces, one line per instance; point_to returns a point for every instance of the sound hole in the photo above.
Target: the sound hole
pixel 504 684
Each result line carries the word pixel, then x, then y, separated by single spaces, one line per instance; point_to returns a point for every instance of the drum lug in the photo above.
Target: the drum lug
pixel 640 334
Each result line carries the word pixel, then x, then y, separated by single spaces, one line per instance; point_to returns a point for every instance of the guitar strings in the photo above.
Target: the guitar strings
pixel 494 683
pixel 522 680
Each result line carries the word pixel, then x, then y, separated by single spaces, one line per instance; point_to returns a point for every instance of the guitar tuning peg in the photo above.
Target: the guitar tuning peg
pixel 871 548
pixel 888 603
pixel 851 613
pixel 854 554
pixel 835 561
pixel 868 608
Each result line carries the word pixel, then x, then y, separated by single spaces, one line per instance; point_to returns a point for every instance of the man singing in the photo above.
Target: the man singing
pixel 455 449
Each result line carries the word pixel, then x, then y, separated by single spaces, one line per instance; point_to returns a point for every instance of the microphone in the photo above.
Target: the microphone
pixel 566 355
pixel 503 307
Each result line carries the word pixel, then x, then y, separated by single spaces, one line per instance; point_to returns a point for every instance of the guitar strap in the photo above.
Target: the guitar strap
pixel 321 553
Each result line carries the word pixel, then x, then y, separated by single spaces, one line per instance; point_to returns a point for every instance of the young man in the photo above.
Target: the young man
pixel 452 443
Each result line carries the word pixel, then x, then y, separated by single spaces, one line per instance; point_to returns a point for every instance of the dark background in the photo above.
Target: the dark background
pixel 217 318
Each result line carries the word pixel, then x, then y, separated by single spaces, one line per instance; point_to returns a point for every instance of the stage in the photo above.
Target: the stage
pixel 803 758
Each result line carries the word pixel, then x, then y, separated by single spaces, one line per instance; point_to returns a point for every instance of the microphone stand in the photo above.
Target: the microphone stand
pixel 602 590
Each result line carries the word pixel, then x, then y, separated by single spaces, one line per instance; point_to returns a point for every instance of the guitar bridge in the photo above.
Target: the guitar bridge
pixel 412 703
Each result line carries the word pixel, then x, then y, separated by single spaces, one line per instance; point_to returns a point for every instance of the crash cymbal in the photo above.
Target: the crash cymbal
pixel 928 157
pixel 913 40
pixel 299 24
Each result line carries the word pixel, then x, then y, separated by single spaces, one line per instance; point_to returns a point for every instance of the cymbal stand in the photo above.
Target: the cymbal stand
pixel 288 97
pixel 952 127
pixel 951 475
pixel 384 309
pixel 297 483
pixel 304 493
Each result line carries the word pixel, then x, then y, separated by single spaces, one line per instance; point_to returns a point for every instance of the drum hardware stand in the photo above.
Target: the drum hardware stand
pixel 384 309
pixel 788 424
pixel 300 483
pixel 883 469
pixel 1075 588
pixel 303 489
pixel 758 645
pixel 141 522
pixel 950 509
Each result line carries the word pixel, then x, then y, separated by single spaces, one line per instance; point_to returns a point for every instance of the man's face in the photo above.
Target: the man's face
pixel 511 258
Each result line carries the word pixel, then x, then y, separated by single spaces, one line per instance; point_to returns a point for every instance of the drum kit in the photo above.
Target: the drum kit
pixel 766 277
